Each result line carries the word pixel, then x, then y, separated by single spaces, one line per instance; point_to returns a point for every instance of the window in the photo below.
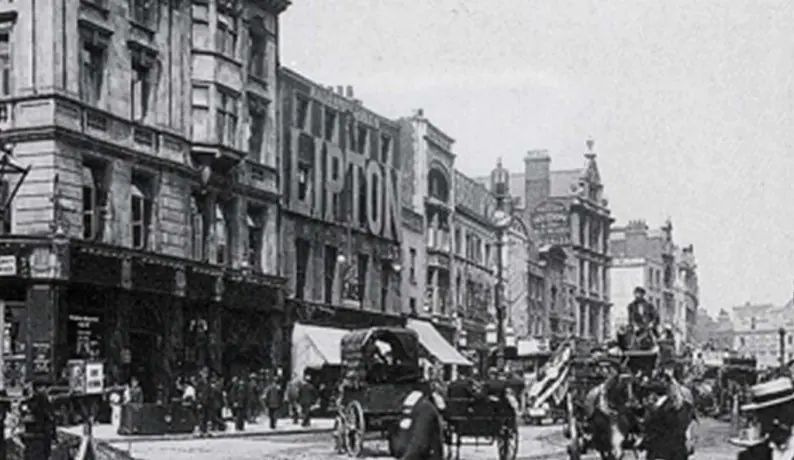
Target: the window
pixel 226 35
pixel 412 270
pixel 255 221
pixel 91 201
pixel 331 253
pixel 331 126
pixel 141 85
pixel 363 261
pixel 304 181
pixel 226 123
pixel 361 138
pixel 92 65
pixel 257 111
pixel 257 48
pixel 197 226
pixel 5 63
pixel 144 12
pixel 301 112
pixel 141 202
pixel 302 254
pixel 222 235
pixel 385 148
pixel 412 306
pixel 385 284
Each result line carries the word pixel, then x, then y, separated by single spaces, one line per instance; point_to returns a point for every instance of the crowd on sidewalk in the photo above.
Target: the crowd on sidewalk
pixel 242 398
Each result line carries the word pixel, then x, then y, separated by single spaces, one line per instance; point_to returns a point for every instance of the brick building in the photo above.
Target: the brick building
pixel 151 205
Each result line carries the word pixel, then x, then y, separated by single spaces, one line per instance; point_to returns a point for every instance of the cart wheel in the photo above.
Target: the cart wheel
pixel 354 429
pixel 508 440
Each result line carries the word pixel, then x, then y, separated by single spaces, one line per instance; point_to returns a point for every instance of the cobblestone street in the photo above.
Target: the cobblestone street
pixel 535 443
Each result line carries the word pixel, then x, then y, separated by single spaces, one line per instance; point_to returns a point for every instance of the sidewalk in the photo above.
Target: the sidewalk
pixel 107 433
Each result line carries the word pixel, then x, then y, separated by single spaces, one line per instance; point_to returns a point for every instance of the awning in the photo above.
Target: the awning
pixel 436 344
pixel 314 346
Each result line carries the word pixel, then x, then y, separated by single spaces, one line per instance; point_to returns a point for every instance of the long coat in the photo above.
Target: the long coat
pixel 666 430
pixel 759 452
pixel 425 437
pixel 643 314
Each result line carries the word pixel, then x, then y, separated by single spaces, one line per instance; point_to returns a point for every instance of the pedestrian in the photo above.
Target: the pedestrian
pixel 421 436
pixel 205 401
pixel 307 395
pixel 293 389
pixel 770 437
pixel 238 402
pixel 218 404
pixel 253 390
pixel 272 398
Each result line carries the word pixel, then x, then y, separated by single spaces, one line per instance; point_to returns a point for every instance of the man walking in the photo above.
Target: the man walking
pixel 272 398
pixel 293 390
pixel 307 395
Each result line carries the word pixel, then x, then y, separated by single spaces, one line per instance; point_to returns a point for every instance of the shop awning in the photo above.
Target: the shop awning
pixel 314 346
pixel 436 344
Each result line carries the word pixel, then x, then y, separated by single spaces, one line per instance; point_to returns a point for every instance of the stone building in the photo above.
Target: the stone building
pixel 568 208
pixel 341 210
pixel 650 258
pixel 756 331
pixel 716 334
pixel 145 233
pixel 430 195
pixel 474 264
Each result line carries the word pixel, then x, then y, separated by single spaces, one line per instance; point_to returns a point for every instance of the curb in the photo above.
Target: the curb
pixel 191 437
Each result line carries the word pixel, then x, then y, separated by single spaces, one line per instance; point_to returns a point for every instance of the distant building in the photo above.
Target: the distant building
pixel 757 332
pixel 649 258
pixel 715 334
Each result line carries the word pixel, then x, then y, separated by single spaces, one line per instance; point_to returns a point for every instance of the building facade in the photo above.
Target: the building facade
pixel 650 258
pixel 474 264
pixel 568 208
pixel 716 334
pixel 414 258
pixel 341 215
pixel 429 183
pixel 145 234
pixel 757 328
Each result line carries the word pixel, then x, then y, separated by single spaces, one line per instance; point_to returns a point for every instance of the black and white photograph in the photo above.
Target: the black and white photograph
pixel 408 229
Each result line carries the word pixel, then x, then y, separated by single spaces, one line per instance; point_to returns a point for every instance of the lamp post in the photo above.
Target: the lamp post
pixel 502 219
pixel 782 335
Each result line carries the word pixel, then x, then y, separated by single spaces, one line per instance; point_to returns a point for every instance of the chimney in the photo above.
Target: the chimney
pixel 349 92
pixel 537 180
pixel 340 91
pixel 419 113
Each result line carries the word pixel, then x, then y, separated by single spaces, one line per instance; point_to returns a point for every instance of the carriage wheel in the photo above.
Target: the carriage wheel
pixel 508 440
pixel 354 429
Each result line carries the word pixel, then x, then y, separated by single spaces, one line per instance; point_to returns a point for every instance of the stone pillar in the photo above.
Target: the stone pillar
pixel 215 322
pixel 210 233
pixel 42 305
pixel 119 343
pixel 434 286
pixel 173 353
pixel 586 321
pixel 270 241
pixel 119 189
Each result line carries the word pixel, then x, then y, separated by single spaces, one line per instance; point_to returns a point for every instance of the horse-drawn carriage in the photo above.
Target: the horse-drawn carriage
pixel 596 412
pixel 382 380
pixel 380 368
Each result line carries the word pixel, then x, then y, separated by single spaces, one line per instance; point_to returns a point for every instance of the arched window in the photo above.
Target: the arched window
pixel 437 186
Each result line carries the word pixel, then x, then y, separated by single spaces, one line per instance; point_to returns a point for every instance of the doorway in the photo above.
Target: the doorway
pixel 143 359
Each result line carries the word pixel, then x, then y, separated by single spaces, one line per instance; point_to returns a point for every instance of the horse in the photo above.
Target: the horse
pixel 611 412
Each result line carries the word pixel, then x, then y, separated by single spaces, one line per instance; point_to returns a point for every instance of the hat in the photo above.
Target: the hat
pixel 749 437
pixel 639 289
pixel 770 394
pixel 611 360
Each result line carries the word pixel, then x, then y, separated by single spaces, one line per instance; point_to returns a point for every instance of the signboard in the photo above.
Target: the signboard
pixel 552 223
pixel 8 265
pixel 86 377
pixel 84 335
pixel 42 360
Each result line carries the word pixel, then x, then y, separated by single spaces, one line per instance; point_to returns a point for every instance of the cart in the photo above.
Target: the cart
pixel 376 385
pixel 485 416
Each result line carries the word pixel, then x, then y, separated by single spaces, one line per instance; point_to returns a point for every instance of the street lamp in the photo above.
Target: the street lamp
pixel 502 219
pixel 782 333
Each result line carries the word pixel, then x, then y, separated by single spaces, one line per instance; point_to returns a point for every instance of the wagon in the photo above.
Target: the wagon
pixel 376 384
pixel 486 415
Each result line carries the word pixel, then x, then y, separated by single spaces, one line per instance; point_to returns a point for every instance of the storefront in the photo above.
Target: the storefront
pixel 144 315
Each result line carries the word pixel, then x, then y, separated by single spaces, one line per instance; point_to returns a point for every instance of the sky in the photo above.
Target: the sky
pixel 690 104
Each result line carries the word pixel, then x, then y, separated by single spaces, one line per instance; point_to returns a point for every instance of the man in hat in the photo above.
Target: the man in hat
pixel 421 432
pixel 772 405
pixel 643 316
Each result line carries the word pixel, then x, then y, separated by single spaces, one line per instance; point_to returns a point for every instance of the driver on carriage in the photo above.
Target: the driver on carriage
pixel 643 317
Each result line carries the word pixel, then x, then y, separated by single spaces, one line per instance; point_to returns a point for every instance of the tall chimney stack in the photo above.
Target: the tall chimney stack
pixel 349 92
pixel 340 91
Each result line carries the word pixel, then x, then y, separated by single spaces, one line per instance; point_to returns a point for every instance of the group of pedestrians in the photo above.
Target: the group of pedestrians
pixel 245 398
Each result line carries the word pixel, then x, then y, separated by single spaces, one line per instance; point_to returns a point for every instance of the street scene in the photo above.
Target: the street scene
pixel 458 230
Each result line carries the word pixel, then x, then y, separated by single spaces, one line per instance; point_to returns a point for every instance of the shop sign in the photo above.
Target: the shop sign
pixel 86 332
pixel 552 223
pixel 8 265
pixel 42 359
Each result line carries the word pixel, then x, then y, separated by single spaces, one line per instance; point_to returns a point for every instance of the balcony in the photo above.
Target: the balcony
pixel 438 241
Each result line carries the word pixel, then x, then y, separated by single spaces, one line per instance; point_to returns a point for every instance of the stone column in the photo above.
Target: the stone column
pixel 434 286
pixel 119 343
pixel 210 233
pixel 215 322
pixel 586 320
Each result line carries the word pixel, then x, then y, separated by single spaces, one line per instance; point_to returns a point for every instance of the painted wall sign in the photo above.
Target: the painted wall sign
pixel 552 222
pixel 42 358
pixel 322 189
